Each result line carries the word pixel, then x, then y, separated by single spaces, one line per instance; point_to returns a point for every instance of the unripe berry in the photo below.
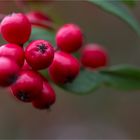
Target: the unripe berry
pixel 94 56
pixel 39 54
pixel 8 71
pixel 28 86
pixel 16 28
pixel 46 98
pixel 14 52
pixel 64 68
pixel 69 38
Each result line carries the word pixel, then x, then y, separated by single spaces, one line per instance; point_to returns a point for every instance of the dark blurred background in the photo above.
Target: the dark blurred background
pixel 106 113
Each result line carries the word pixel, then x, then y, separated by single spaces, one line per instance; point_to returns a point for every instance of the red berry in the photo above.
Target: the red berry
pixel 8 71
pixel 69 38
pixel 28 86
pixel 39 19
pixel 46 98
pixel 26 66
pixel 14 52
pixel 39 54
pixel 16 28
pixel 64 68
pixel 94 56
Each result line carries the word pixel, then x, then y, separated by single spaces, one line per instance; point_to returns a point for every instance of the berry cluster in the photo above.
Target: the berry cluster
pixel 19 67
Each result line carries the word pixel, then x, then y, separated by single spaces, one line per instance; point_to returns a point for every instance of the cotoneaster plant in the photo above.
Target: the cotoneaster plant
pixel 8 71
pixel 26 66
pixel 46 98
pixel 16 28
pixel 94 56
pixel 69 38
pixel 27 86
pixel 29 63
pixel 39 54
pixel 40 19
pixel 64 68
pixel 14 52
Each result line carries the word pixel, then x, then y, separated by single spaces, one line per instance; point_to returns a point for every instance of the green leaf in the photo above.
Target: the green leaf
pixel 130 3
pixel 85 83
pixel 117 8
pixel 123 77
pixel 40 33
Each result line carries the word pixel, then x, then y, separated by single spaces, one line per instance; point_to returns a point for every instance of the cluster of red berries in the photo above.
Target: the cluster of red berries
pixel 19 67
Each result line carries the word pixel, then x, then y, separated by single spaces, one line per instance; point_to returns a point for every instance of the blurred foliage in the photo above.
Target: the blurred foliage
pixel 86 82
pixel 117 8
pixel 124 77
pixel 41 33
pixel 130 3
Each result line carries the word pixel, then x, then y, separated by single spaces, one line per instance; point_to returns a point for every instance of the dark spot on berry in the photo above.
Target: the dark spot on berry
pixel 23 96
pixel 47 107
pixel 21 45
pixel 69 79
pixel 12 79
pixel 42 47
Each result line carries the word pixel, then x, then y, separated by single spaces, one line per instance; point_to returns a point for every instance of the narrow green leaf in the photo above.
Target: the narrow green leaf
pixel 130 3
pixel 123 77
pixel 85 83
pixel 117 8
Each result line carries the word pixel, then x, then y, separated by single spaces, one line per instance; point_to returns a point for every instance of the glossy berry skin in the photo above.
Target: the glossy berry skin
pixel 69 38
pixel 46 98
pixel 8 71
pixel 14 52
pixel 64 68
pixel 26 66
pixel 40 19
pixel 16 28
pixel 28 86
pixel 39 54
pixel 94 56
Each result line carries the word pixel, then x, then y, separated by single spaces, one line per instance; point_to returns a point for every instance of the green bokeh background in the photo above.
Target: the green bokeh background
pixel 107 113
